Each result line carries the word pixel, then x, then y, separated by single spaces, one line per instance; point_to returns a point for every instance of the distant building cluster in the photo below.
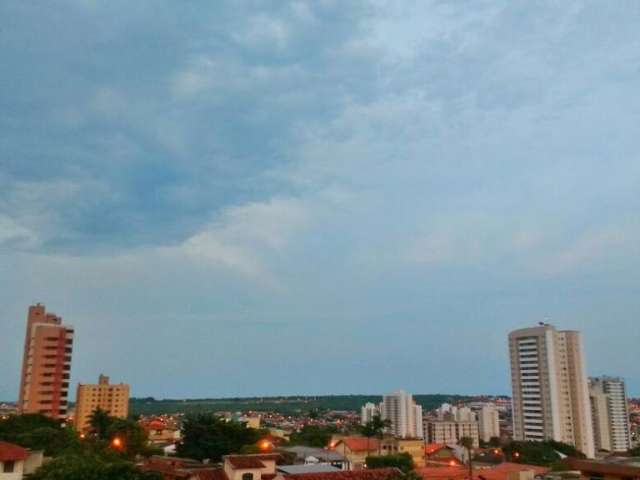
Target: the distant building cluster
pixel 552 399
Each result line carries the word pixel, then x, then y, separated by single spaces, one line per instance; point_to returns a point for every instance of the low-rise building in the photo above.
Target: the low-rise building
pixel 615 468
pixel 17 462
pixel 450 432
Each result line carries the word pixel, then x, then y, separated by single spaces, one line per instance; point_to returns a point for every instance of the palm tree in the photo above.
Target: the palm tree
pixel 467 443
pixel 100 422
pixel 375 428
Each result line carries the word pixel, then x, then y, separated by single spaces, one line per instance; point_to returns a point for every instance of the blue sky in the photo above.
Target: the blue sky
pixel 268 197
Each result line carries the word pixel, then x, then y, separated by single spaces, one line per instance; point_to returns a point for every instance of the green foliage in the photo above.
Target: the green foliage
pixel 402 461
pixel 100 421
pixel 539 453
pixel 133 437
pixel 375 427
pixel 284 405
pixel 207 436
pixel 90 467
pixel 635 452
pixel 312 436
pixel 39 432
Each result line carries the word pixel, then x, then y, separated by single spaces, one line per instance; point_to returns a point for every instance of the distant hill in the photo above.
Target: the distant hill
pixel 285 404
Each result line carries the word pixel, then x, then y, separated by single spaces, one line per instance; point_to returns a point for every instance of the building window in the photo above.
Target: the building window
pixel 247 476
pixel 9 466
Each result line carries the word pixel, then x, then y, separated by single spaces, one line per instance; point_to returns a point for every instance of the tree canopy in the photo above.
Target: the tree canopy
pixel 90 467
pixel 402 461
pixel 539 453
pixel 211 437
pixel 313 436
pixel 38 432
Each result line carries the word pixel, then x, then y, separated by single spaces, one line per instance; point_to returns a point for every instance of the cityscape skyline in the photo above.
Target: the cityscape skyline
pixel 37 313
pixel 342 195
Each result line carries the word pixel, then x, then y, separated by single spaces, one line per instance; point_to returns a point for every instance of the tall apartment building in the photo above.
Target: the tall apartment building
pixel 368 411
pixel 112 398
pixel 610 413
pixel 550 390
pixel 46 364
pixel 488 422
pixel 405 415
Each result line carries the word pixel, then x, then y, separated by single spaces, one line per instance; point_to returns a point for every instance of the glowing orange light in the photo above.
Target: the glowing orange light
pixel 516 454
pixel 116 442
pixel 265 445
pixel 452 463
pixel 496 451
pixel 82 436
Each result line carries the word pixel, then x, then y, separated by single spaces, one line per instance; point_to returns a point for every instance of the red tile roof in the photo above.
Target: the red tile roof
pixel 241 461
pixel 359 444
pixel 499 472
pixel 12 452
pixel 209 474
pixel 368 474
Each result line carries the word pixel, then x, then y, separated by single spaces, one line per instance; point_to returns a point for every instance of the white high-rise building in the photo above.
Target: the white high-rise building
pixel 550 390
pixel 489 422
pixel 405 415
pixel 610 414
pixel 367 412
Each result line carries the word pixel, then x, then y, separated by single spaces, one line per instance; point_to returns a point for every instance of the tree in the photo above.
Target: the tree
pixel 402 461
pixel 132 438
pixel 38 432
pixel 539 453
pixel 90 467
pixel 375 428
pixel 100 422
pixel 313 436
pixel 467 444
pixel 211 437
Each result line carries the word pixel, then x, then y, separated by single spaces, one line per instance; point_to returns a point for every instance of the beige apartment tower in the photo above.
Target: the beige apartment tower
pixel 112 398
pixel 550 389
pixel 46 364
pixel 610 414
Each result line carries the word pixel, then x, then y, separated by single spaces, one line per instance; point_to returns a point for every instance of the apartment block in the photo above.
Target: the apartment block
pixel 112 398
pixel 403 413
pixel 550 390
pixel 451 431
pixel 46 364
pixel 610 413
pixel 488 422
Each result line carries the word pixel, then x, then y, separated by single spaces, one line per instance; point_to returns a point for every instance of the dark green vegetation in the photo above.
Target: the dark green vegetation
pixel 38 432
pixel 312 436
pixel 104 454
pixel 539 453
pixel 90 467
pixel 402 461
pixel 207 436
pixel 284 405
pixel 375 428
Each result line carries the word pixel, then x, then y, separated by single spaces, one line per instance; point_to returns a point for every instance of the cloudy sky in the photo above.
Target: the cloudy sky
pixel 268 197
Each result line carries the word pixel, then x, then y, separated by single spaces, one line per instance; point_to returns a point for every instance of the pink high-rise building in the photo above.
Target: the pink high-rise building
pixel 46 364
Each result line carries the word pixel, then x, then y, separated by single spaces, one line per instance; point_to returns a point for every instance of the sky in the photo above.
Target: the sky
pixel 239 198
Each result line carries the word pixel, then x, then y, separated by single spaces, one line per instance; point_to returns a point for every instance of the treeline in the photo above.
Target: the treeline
pixel 286 405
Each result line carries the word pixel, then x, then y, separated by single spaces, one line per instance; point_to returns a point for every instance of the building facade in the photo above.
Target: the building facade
pixel 450 431
pixel 488 422
pixel 112 398
pixel 550 390
pixel 610 413
pixel 46 364
pixel 367 412
pixel 403 413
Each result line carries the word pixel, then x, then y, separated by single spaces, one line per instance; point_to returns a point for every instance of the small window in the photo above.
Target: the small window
pixel 247 476
pixel 9 466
